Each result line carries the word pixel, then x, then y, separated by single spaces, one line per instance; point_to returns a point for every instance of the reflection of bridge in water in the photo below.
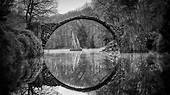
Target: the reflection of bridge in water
pixel 134 73
pixel 46 78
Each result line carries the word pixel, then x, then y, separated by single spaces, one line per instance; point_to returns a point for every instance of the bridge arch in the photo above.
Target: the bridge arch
pixel 57 25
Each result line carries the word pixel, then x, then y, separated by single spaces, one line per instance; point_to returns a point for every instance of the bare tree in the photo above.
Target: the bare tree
pixel 36 10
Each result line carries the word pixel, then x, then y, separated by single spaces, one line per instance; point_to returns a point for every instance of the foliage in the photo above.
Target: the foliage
pixel 81 33
pixel 15 20
pixel 133 21
pixel 19 62
pixel 36 10
pixel 164 31
pixel 5 8
pixel 136 19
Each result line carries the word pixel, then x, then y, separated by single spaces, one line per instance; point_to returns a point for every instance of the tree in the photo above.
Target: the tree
pixel 36 10
pixel 81 32
pixel 141 17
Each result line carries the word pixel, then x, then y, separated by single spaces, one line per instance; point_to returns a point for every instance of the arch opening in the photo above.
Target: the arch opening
pixel 103 23
pixel 57 25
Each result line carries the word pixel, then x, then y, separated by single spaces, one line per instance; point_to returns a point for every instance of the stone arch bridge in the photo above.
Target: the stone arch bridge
pixel 46 78
pixel 47 29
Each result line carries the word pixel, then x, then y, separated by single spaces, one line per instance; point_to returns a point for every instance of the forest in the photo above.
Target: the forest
pixel 140 26
pixel 137 26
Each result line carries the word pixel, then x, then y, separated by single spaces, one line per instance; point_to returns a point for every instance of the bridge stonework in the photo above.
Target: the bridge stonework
pixel 47 78
pixel 48 28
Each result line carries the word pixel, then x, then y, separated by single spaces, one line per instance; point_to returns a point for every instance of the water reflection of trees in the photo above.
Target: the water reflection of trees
pixel 135 77
pixel 80 69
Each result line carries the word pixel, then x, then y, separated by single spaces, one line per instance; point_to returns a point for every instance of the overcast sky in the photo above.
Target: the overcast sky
pixel 68 5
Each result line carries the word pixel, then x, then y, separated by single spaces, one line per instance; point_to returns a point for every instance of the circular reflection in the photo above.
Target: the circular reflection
pixel 81 69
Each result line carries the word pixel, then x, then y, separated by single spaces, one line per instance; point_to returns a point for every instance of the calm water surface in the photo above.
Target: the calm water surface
pixel 137 74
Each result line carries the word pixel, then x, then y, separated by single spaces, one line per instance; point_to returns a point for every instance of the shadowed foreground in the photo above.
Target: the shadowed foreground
pixel 20 59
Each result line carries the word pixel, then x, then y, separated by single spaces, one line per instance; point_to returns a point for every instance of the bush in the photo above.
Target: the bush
pixel 18 49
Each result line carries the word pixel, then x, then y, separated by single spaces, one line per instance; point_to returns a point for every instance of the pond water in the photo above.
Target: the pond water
pixel 135 74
